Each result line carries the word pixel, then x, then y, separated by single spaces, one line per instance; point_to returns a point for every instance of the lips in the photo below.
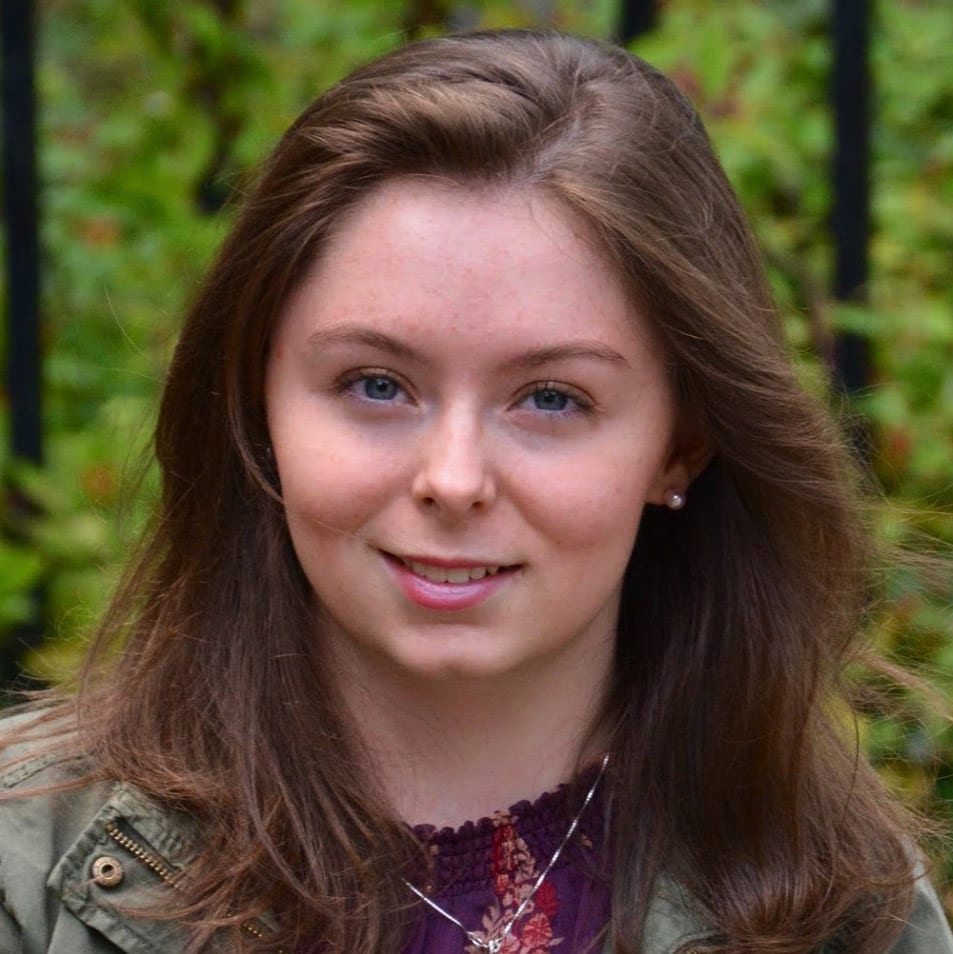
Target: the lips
pixel 448 585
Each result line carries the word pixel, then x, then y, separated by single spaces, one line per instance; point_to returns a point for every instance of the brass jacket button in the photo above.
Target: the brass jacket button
pixel 107 871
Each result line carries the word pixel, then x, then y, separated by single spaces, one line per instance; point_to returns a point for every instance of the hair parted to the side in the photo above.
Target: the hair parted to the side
pixel 739 611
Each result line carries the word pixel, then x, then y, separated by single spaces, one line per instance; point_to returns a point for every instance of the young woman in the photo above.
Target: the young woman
pixel 502 577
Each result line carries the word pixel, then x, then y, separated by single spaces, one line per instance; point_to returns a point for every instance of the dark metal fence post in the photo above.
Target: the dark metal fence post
pixel 850 219
pixel 22 268
pixel 22 258
pixel 637 17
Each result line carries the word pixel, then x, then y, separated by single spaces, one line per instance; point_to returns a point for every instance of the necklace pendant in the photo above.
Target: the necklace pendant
pixel 492 945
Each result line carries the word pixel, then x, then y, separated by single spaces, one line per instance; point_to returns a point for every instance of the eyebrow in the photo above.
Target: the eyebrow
pixel 354 334
pixel 577 349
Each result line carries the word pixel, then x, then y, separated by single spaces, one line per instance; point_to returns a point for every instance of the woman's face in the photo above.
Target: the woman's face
pixel 468 415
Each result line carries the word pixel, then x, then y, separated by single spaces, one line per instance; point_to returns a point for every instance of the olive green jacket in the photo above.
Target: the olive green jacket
pixel 71 862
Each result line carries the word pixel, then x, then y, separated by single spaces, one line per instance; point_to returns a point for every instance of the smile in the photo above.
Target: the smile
pixel 446 574
pixel 448 585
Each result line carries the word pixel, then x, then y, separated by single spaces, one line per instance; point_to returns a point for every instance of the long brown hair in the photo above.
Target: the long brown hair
pixel 739 612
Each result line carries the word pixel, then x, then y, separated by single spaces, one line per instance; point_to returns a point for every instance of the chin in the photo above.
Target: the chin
pixel 444 666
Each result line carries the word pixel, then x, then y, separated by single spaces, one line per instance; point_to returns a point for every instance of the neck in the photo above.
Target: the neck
pixel 453 749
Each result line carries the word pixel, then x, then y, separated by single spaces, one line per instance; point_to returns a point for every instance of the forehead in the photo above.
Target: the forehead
pixel 464 227
pixel 421 255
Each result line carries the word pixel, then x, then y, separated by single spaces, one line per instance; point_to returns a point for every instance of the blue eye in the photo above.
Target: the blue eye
pixel 549 399
pixel 369 384
pixel 555 401
pixel 378 388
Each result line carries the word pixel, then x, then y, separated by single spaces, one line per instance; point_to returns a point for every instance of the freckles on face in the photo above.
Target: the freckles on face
pixel 468 415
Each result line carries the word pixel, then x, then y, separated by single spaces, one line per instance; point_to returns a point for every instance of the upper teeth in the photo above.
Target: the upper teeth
pixel 443 574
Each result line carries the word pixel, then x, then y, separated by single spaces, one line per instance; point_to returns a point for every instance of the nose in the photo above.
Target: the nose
pixel 454 476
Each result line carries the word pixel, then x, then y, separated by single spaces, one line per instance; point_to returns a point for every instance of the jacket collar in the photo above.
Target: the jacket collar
pixel 129 854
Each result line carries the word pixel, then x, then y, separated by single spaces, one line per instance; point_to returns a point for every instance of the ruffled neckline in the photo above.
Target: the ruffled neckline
pixel 461 859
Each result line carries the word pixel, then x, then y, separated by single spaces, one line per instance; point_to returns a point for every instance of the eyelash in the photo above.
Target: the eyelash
pixel 580 405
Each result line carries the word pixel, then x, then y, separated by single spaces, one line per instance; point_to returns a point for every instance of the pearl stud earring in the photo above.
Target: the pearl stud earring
pixel 674 500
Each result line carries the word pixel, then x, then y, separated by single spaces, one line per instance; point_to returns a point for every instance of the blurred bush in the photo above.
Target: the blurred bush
pixel 154 114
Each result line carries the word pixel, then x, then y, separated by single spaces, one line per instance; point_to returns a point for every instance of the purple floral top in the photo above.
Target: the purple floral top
pixel 482 871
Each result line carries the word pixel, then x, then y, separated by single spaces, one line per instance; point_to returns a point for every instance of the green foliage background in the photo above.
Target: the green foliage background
pixel 152 114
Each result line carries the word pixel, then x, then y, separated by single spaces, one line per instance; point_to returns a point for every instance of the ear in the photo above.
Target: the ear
pixel 689 454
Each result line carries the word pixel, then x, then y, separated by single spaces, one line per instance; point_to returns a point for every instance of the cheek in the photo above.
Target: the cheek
pixel 591 503
pixel 333 489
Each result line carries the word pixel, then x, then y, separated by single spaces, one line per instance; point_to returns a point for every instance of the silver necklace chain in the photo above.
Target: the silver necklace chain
pixel 493 945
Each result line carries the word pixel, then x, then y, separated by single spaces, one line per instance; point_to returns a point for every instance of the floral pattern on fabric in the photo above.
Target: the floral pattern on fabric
pixel 479 873
pixel 515 871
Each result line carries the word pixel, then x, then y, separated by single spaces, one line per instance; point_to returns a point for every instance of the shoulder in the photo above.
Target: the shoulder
pixel 74 852
pixel 927 930
pixel 36 768
pixel 675 925
pixel 32 743
pixel 43 800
